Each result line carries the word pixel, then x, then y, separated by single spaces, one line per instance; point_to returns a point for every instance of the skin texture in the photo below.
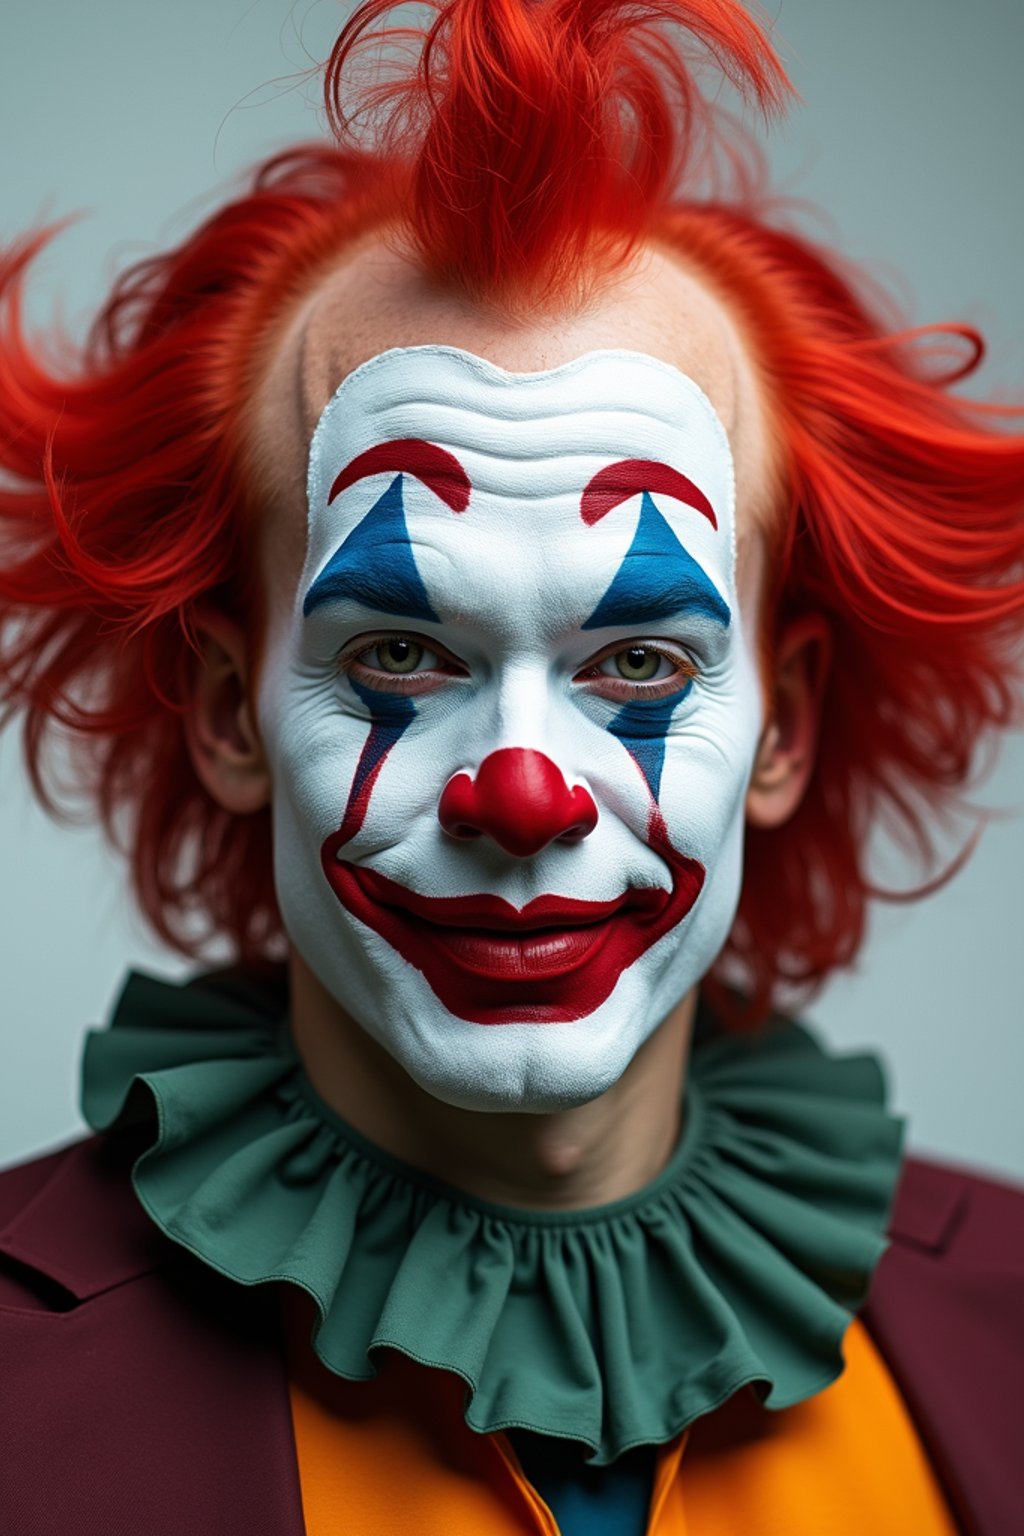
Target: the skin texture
pixel 607 1147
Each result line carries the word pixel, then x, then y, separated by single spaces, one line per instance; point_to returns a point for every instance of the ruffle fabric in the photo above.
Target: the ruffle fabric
pixel 615 1326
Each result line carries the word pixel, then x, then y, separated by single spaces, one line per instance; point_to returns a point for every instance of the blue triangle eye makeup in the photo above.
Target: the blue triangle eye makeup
pixel 642 727
pixel 375 566
pixel 658 579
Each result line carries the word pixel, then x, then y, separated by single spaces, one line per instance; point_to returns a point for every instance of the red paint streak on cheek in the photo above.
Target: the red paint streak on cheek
pixel 688 875
pixel 376 750
pixel 657 829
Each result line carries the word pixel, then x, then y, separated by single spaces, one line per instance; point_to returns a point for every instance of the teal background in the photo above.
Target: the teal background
pixel 908 143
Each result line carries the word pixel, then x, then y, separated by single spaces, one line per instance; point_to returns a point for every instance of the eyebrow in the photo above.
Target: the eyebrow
pixel 439 470
pixel 628 477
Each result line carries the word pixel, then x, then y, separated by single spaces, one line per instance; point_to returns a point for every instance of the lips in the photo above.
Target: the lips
pixel 554 960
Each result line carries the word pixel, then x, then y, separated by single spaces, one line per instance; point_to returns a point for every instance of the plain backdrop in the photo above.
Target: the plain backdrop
pixel 908 143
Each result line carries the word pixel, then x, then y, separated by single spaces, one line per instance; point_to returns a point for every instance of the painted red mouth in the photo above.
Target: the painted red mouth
pixel 489 962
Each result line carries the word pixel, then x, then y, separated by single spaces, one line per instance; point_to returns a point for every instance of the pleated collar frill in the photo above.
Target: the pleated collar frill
pixel 615 1326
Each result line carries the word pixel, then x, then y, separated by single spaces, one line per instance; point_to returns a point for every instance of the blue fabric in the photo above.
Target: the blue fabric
pixel 586 1500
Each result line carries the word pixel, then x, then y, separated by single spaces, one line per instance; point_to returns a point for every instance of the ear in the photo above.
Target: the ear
pixel 786 751
pixel 220 725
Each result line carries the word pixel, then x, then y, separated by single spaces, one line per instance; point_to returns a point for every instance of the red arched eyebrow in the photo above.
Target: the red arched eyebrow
pixel 618 482
pixel 439 470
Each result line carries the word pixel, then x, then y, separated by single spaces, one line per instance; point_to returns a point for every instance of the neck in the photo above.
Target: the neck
pixel 572 1158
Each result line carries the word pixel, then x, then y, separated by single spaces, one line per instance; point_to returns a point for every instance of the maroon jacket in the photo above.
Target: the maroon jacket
pixel 143 1395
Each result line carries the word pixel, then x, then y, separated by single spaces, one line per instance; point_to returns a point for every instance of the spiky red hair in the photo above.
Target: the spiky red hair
pixel 528 147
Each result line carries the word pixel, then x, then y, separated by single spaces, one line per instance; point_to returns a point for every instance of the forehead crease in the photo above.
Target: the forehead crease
pixel 531 442
pixel 456 387
pixel 569 423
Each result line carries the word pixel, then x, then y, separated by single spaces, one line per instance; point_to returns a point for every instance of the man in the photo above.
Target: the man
pixel 489 535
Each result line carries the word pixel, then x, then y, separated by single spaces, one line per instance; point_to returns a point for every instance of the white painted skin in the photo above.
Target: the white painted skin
pixel 512 579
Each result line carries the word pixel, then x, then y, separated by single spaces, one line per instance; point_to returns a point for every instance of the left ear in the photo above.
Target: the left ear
pixel 220 723
pixel 786 751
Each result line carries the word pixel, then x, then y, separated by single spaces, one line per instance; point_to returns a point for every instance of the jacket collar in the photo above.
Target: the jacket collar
pixel 930 1204
pixel 83 1227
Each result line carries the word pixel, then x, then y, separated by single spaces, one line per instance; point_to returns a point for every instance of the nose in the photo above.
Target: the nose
pixel 520 800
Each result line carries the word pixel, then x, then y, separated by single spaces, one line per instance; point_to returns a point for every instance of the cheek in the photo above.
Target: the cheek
pixel 345 778
pixel 644 729
pixel 314 746
pixel 707 766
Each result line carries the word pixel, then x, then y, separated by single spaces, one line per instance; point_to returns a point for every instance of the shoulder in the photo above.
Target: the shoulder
pixel 960 1211
pixel 955 1259
pixel 946 1309
pixel 142 1390
pixel 21 1181
pixel 70 1220
pixel 956 1253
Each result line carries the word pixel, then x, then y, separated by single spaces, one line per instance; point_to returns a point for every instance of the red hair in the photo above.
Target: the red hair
pixel 528 148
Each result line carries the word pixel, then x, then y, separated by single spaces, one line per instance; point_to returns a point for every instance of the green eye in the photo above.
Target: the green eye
pixel 638 664
pixel 398 655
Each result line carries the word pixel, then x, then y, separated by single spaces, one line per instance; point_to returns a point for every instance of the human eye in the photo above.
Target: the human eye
pixel 398 663
pixel 644 669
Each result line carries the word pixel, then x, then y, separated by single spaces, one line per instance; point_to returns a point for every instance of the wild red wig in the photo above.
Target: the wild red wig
pixel 528 147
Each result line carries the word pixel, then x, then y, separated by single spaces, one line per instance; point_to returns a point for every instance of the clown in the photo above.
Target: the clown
pixel 463 568
pixel 566 850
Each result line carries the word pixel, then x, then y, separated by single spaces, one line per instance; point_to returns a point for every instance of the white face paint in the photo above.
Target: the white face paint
pixel 512 716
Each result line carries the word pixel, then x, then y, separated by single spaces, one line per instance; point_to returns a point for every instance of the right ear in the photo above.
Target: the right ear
pixel 220 725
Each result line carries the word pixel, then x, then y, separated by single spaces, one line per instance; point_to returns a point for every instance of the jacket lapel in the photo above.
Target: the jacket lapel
pixel 945 1310
pixel 142 1392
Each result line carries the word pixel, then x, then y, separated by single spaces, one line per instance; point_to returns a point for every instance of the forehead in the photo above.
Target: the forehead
pixel 569 418
pixel 517 471
pixel 377 300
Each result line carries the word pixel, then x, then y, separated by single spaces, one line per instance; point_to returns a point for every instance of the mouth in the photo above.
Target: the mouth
pixel 552 961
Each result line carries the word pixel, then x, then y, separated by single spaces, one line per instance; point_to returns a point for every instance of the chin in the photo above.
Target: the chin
pixel 515 1068
pixel 537 1092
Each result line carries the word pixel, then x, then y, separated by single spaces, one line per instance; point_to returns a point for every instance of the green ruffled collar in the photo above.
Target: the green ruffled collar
pixel 619 1325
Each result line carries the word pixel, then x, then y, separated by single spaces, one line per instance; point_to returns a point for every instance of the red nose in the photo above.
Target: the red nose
pixel 520 800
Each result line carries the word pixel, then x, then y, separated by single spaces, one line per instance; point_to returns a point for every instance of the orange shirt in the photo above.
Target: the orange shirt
pixel 395 1455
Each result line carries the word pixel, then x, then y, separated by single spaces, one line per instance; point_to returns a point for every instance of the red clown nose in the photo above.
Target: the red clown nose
pixel 520 800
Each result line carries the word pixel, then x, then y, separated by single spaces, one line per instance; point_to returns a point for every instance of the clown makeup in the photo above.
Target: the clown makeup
pixel 512 716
